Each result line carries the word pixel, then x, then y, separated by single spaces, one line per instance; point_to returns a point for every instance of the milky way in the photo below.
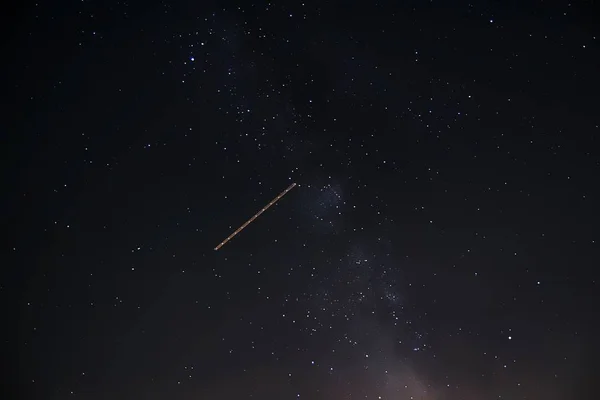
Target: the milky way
pixel 441 242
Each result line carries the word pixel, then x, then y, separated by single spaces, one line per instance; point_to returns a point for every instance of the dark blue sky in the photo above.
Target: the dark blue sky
pixel 440 243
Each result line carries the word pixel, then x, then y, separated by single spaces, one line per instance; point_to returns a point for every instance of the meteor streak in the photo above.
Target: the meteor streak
pixel 238 230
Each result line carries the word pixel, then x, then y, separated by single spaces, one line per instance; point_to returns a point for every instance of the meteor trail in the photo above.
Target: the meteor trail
pixel 238 230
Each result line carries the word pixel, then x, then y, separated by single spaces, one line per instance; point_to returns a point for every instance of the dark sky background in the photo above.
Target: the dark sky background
pixel 441 242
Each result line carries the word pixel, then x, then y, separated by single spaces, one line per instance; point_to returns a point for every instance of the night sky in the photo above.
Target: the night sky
pixel 441 242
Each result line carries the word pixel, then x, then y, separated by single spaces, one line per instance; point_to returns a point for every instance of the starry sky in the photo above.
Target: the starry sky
pixel 439 245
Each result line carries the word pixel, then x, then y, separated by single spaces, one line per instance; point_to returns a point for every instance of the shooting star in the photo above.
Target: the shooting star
pixel 238 230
